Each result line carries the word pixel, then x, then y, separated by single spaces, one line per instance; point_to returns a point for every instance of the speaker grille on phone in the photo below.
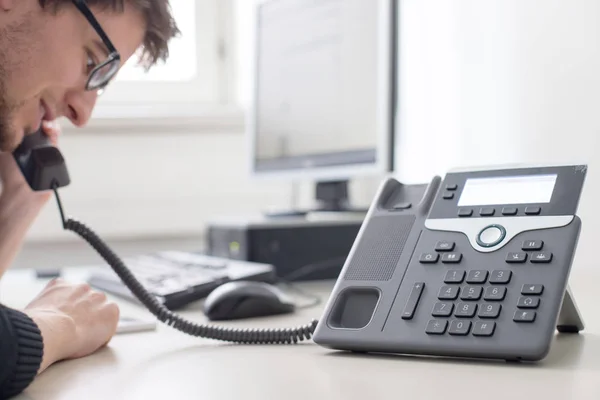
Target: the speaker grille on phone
pixel 380 247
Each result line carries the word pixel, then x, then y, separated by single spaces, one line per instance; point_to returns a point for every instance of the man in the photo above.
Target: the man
pixel 55 55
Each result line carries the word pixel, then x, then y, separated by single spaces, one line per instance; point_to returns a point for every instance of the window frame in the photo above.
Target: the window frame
pixel 209 97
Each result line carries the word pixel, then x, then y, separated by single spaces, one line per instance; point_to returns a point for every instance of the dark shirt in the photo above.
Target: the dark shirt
pixel 21 351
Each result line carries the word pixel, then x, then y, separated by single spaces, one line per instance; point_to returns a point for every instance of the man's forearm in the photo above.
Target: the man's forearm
pixel 18 210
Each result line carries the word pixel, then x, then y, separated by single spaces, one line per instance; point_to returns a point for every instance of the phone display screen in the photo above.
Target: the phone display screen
pixel 508 190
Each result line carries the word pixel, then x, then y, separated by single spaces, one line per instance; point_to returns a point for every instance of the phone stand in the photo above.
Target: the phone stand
pixel 569 318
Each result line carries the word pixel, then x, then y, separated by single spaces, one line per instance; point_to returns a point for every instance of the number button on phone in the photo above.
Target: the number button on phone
pixel 465 310
pixel 477 276
pixel 471 293
pixel 500 276
pixel 490 310
pixel 459 328
pixel 454 276
pixel 494 293
pixel 483 328
pixel 448 293
pixel 442 309
pixel 436 327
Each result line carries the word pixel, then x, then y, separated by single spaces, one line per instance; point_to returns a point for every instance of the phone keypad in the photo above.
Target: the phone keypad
pixel 470 301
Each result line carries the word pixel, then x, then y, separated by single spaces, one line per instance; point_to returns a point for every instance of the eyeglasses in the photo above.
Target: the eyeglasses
pixel 105 71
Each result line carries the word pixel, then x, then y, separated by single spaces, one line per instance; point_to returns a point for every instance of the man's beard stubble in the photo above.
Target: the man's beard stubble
pixel 13 38
pixel 7 130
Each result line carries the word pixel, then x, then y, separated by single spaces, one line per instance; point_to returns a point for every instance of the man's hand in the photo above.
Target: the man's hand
pixel 19 205
pixel 12 179
pixel 75 321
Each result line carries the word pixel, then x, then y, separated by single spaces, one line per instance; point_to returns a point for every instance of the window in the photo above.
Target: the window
pixel 181 65
pixel 192 81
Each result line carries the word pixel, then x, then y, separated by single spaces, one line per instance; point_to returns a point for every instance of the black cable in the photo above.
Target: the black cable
pixel 307 270
pixel 251 336
pixel 335 262
pixel 316 300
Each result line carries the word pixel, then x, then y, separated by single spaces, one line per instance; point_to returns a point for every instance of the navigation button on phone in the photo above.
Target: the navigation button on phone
pixel 491 235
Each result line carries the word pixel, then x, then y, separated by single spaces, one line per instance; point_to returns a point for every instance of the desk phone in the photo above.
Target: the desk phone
pixel 473 266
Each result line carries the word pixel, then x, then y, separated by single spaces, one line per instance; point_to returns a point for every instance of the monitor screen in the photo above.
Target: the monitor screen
pixel 318 89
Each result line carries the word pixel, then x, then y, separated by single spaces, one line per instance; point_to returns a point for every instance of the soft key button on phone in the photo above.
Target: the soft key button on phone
pixel 444 245
pixel 491 235
pixel 541 257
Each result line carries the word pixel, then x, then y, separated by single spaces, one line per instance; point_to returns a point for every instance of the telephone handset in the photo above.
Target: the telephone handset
pixel 41 163
pixel 44 168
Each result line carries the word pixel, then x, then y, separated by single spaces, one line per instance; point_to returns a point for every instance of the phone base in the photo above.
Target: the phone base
pixel 477 282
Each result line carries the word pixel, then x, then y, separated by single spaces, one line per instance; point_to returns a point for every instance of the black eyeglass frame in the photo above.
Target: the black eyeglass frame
pixel 113 54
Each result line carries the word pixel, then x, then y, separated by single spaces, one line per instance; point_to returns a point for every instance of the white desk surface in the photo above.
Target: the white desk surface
pixel 166 364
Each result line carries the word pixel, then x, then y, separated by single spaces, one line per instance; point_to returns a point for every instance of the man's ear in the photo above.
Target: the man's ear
pixel 6 5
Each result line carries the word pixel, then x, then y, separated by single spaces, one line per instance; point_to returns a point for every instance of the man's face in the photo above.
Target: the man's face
pixel 45 62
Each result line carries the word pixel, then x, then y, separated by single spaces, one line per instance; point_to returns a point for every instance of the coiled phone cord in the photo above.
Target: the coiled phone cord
pixel 247 336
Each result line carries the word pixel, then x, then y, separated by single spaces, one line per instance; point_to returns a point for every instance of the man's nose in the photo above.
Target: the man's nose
pixel 79 106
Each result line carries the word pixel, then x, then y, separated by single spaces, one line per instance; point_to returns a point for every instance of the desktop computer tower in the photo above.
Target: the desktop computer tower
pixel 300 249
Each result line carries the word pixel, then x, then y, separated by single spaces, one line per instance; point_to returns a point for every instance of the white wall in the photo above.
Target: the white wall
pixel 502 81
pixel 159 181
pixel 155 182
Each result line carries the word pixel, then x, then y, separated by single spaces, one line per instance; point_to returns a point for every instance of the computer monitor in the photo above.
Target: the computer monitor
pixel 323 93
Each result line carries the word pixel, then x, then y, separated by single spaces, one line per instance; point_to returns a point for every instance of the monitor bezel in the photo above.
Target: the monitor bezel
pixel 386 98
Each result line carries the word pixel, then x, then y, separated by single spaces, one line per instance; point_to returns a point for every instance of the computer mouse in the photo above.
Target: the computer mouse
pixel 246 299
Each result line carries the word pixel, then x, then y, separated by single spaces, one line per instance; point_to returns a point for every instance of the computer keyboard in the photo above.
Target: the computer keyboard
pixel 178 278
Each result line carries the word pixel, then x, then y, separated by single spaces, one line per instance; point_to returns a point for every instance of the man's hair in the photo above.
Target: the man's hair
pixel 161 26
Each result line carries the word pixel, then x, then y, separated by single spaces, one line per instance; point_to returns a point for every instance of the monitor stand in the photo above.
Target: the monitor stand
pixel 332 196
